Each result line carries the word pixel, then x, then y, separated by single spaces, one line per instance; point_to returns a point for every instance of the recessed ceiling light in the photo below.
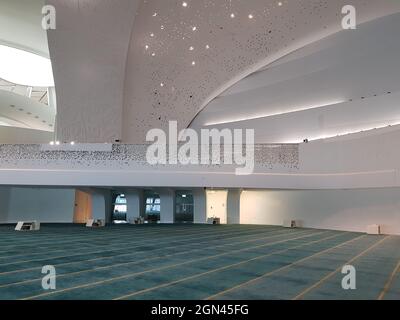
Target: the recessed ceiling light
pixel 51 143
pixel 191 48
pixel 162 27
pixel 184 4
pixel 232 15
pixel 151 34
pixel 72 143
pixel 147 47
pixel 279 3
pixel 193 63
pixel 162 84
pixel 57 143
pixel 251 16
pixel 153 54
pixel 155 14
pixel 194 28
pixel 207 46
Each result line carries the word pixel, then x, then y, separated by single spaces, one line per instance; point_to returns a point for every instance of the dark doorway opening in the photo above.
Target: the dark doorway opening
pixel 152 208
pixel 184 206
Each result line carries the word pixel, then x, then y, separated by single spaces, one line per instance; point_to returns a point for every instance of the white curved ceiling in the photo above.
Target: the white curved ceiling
pixel 119 75
pixel 25 73
pixel 22 112
pixel 237 47
pixel 20 25
pixel 345 83
pixel 25 68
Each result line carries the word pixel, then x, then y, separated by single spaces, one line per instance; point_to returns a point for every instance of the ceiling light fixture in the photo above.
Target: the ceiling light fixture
pixel 184 4
pixel 232 15
pixel 251 16
pixel 193 63
pixel 191 48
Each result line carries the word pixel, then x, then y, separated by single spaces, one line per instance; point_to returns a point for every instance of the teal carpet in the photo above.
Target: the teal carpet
pixel 196 262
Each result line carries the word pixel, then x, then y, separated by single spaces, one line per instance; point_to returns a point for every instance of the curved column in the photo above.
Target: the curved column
pixel 88 49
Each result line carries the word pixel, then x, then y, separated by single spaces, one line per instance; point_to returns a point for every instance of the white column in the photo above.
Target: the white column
pixel 233 206
pixel 101 204
pixel 98 206
pixel 134 201
pixel 167 198
pixel 200 209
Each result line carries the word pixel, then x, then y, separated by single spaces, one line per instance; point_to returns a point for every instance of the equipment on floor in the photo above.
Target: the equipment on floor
pixel 98 223
pixel 27 226
pixel 292 224
pixel 374 229
pixel 138 220
pixel 214 220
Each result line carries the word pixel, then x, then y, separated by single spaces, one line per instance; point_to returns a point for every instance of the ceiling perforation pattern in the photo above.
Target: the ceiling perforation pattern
pixel 179 57
pixel 201 48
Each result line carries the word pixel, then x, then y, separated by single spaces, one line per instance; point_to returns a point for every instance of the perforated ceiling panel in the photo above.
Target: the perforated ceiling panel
pixel 182 56
pixel 178 57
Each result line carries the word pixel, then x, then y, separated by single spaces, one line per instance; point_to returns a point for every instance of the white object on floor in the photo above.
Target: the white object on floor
pixel 137 220
pixel 27 226
pixel 374 229
pixel 292 223
pixel 214 220
pixel 91 223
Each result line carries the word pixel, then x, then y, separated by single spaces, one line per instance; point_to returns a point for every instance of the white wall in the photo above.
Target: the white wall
pixel 22 135
pixel 42 204
pixel 350 210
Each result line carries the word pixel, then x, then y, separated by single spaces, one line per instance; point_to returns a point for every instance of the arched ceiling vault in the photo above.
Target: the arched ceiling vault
pixel 180 58
pixel 345 83
pixel 124 67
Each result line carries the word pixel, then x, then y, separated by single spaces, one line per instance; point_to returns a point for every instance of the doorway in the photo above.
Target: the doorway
pixel 184 207
pixel 217 204
pixel 152 208
pixel 120 209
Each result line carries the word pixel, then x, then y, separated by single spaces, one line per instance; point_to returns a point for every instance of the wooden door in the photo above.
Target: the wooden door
pixel 83 207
